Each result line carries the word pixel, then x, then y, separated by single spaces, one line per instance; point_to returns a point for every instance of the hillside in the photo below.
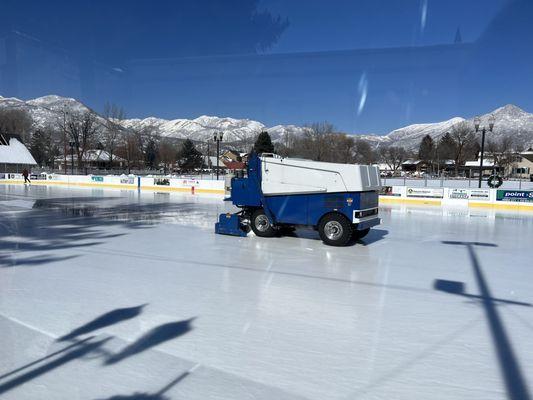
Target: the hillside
pixel 510 121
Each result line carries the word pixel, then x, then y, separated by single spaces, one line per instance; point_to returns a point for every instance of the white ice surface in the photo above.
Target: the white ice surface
pixel 281 318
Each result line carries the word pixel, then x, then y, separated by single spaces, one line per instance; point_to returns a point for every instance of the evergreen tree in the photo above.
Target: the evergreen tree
pixel 263 144
pixel 43 148
pixel 150 154
pixel 189 157
pixel 426 150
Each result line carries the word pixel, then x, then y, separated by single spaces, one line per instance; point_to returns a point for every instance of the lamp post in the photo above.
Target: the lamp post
pixel 217 137
pixel 71 143
pixel 477 122
pixel 65 117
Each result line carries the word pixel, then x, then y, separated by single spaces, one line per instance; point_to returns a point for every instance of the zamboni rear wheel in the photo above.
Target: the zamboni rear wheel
pixel 335 230
pixel 261 225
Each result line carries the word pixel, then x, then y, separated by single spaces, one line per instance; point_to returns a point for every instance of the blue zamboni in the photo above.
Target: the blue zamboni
pixel 277 194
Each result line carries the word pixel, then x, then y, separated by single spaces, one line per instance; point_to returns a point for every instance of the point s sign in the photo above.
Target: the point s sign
pixel 525 196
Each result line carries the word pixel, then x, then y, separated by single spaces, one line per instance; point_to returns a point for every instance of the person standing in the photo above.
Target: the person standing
pixel 25 174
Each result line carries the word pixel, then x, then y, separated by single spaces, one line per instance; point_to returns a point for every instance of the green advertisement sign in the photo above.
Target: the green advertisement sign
pixel 515 195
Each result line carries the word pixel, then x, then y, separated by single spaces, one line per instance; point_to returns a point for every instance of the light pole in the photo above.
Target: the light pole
pixel 483 128
pixel 217 137
pixel 71 143
pixel 65 116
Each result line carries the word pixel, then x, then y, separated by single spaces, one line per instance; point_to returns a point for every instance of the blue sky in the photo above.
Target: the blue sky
pixel 350 78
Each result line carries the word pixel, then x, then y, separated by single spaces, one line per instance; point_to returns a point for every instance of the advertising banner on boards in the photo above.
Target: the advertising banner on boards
pixel 130 180
pixel 523 196
pixel 459 194
pixel 161 181
pixel 469 194
pixel 435 193
pixel 394 191
pixel 479 194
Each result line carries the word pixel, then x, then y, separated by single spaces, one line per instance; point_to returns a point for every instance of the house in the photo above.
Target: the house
pixel 231 155
pixel 522 166
pixel 471 168
pixel 414 166
pixel 234 165
pixel 98 159
pixel 14 156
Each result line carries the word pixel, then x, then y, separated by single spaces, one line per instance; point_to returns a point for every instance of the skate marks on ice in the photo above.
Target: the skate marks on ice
pixel 92 347
pixel 159 395
pixel 79 350
pixel 54 225
pixel 515 383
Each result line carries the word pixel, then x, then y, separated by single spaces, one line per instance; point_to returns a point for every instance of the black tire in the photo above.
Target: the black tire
pixel 356 235
pixel 286 229
pixel 335 229
pixel 261 225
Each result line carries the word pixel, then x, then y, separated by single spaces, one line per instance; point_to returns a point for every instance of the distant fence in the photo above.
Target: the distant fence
pixel 455 183
pixel 413 194
pixel 155 183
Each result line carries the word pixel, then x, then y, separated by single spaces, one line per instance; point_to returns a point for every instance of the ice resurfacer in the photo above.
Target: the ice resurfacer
pixel 277 194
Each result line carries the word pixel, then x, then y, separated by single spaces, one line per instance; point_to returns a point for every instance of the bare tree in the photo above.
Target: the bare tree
pixel 393 156
pixel 130 148
pixel 364 154
pixel 465 141
pixel 17 122
pixel 111 135
pixel 314 143
pixel 167 154
pixel 502 152
pixel 81 130
pixel 340 148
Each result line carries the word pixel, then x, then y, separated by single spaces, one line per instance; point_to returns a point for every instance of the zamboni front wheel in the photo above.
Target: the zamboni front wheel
pixel 261 225
pixel 335 229
pixel 356 235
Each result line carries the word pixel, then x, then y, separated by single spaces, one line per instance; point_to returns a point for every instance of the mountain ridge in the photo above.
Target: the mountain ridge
pixel 510 120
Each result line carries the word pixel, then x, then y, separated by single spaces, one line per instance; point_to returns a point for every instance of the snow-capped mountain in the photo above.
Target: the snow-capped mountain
pixel 411 135
pixel 203 128
pixel 45 111
pixel 510 120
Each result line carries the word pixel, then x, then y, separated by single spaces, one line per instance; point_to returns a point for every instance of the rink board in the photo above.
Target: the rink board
pixel 456 197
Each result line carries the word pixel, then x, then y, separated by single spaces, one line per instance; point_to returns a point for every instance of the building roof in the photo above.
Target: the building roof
pixel 476 163
pixel 15 152
pixel 234 164
pixel 6 137
pixel 100 156
pixel 412 162
pixel 91 156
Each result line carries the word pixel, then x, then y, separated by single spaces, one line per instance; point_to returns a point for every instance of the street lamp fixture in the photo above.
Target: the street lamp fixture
pixel 217 137
pixel 483 129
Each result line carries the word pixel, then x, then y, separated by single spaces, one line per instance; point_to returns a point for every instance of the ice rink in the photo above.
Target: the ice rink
pixel 109 294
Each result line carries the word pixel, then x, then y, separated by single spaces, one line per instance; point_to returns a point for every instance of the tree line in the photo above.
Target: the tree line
pixel 143 149
pixel 83 130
